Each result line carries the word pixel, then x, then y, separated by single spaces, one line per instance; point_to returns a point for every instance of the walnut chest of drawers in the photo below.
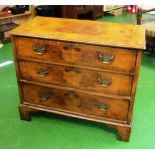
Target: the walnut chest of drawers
pixel 79 68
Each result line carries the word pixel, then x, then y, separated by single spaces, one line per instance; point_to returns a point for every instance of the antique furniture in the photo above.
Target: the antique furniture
pixel 82 11
pixel 79 68
pixel 149 26
pixel 9 21
pixel 48 10
pixel 4 31
pixel 97 11
pixel 17 18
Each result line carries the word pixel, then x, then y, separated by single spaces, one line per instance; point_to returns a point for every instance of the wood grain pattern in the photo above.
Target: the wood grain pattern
pixel 82 69
pixel 17 68
pixel 74 77
pixel 76 102
pixel 123 131
pixel 92 32
pixel 135 81
pixel 82 55
pixel 128 98
pixel 25 112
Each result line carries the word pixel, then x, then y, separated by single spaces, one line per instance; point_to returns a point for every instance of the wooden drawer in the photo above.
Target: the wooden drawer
pixel 108 58
pixel 75 102
pixel 85 79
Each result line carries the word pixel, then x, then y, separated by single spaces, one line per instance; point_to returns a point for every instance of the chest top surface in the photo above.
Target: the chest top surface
pixel 91 32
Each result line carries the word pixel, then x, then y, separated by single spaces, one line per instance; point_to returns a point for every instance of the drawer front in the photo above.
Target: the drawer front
pixel 85 79
pixel 75 102
pixel 116 59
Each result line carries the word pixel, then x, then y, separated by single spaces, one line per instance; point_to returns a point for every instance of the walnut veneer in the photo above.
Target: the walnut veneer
pixel 82 69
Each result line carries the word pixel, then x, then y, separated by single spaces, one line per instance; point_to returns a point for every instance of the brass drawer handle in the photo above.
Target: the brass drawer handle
pixel 106 59
pixel 44 96
pixel 71 46
pixel 72 69
pixel 103 106
pixel 104 81
pixel 42 72
pixel 71 94
pixel 40 50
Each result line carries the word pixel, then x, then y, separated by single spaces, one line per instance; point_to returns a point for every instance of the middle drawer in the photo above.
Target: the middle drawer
pixel 69 76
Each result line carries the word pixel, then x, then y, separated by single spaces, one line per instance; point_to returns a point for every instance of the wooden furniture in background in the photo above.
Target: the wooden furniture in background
pixel 19 18
pixel 79 68
pixel 149 26
pixel 97 11
pixel 9 21
pixel 82 11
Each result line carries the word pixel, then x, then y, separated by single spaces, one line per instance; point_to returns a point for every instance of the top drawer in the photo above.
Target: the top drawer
pixel 108 58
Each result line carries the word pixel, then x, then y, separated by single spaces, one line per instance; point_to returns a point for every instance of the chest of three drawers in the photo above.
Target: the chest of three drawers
pixel 79 68
pixel 75 79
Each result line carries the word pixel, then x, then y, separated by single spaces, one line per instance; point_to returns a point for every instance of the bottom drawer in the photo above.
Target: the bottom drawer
pixel 73 101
